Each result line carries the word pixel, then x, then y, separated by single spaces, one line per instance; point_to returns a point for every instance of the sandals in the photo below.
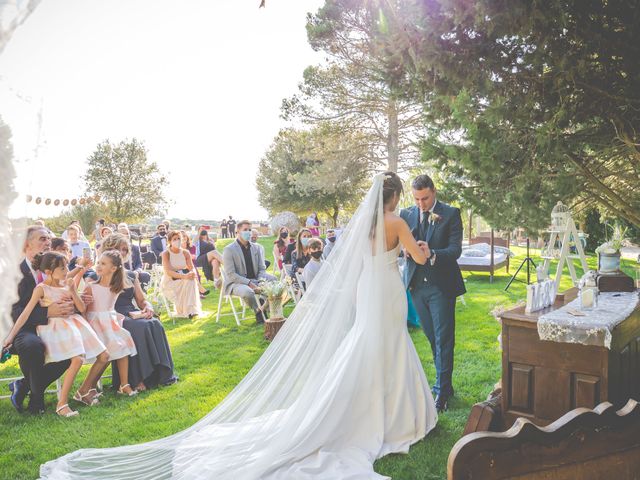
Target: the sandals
pixel 70 413
pixel 81 398
pixel 122 392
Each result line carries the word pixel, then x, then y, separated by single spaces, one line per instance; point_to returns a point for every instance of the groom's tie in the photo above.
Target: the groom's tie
pixel 424 223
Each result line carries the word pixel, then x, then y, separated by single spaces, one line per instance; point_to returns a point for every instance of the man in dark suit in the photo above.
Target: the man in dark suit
pixel 159 242
pixel 435 286
pixel 27 345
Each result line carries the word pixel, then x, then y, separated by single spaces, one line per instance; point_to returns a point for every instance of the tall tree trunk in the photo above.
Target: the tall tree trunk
pixel 393 151
pixel 334 216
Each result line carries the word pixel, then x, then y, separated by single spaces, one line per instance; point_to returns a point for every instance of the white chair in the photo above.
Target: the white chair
pixel 302 288
pixel 229 299
pixel 284 273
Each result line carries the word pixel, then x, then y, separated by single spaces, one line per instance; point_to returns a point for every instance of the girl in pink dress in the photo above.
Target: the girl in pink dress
pixel 64 337
pixel 103 318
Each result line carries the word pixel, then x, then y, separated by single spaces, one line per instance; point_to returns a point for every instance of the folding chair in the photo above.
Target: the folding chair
pixel 229 299
pixel 302 289
pixel 284 273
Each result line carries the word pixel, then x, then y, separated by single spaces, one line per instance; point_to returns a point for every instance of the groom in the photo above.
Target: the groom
pixel 435 285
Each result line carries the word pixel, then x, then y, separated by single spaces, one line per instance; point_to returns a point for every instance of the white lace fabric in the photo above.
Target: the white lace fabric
pixel 595 328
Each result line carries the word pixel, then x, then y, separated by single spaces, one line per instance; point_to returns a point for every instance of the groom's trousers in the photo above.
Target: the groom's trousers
pixel 437 318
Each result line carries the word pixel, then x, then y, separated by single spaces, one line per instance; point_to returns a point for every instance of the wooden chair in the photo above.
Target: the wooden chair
pixel 583 444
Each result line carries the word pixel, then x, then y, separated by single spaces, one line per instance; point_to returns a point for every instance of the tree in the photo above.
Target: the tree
pixel 323 169
pixel 86 214
pixel 130 184
pixel 351 88
pixel 529 102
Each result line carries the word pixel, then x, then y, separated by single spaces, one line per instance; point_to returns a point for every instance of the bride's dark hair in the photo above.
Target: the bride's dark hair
pixel 392 185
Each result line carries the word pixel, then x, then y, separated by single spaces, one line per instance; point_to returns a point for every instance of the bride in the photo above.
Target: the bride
pixel 340 386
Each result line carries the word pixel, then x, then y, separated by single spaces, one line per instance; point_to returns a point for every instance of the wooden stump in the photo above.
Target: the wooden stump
pixel 272 326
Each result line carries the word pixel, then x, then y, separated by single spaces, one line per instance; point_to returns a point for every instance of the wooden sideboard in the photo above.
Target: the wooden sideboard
pixel 543 380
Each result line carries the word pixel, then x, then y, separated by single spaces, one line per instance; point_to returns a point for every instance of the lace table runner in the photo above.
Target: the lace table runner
pixel 592 329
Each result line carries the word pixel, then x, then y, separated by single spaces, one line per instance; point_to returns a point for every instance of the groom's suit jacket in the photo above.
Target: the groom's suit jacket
pixel 445 239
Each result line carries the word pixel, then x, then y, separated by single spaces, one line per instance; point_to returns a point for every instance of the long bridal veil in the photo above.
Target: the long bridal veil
pixel 273 416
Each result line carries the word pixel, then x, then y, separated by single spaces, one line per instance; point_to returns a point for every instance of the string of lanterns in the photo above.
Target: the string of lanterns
pixel 65 202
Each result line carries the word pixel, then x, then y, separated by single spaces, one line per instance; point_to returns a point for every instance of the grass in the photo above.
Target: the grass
pixel 211 358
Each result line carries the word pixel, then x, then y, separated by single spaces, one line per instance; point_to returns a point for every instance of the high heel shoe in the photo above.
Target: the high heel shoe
pixel 78 397
pixel 71 413
pixel 122 392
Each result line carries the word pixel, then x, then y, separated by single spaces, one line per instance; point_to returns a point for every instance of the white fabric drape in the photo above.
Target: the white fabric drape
pixel 322 399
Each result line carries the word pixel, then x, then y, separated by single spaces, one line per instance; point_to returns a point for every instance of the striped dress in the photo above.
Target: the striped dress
pixel 107 323
pixel 67 337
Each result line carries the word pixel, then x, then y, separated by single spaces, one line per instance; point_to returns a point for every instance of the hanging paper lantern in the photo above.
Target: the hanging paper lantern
pixel 47 201
pixel 73 202
pixel 65 202
pixel 82 200
pixel 38 201
pixel 29 198
pixel 56 202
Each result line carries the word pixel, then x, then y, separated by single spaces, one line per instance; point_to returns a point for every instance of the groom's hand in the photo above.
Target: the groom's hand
pixel 424 246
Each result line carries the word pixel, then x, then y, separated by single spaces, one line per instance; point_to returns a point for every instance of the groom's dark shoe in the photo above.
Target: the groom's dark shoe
pixel 18 393
pixel 442 403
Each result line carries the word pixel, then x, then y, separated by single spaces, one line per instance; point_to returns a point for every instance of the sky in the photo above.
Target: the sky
pixel 200 82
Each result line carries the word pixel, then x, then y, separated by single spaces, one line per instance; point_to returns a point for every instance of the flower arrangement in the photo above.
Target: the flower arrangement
pixel 274 288
pixel 615 243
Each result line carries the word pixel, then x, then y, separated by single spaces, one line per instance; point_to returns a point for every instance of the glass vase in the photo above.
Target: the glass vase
pixel 275 308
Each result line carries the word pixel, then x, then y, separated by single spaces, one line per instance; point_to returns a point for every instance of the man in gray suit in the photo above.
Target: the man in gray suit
pixel 244 267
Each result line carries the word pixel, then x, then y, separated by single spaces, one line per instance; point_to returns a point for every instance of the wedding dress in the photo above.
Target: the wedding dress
pixel 340 386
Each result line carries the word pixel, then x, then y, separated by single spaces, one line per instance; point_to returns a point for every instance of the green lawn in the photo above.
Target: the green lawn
pixel 211 359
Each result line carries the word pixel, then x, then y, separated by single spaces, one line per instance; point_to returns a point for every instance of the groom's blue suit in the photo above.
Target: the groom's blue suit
pixel 435 285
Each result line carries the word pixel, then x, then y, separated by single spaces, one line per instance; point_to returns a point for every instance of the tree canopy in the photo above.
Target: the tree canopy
pixel 526 102
pixel 323 169
pixel 131 185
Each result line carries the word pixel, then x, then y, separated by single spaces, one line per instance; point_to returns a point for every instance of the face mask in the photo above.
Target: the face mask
pixel 246 235
pixel 176 244
pixel 254 240
pixel 304 241
pixel 332 239
pixel 316 255
pixel 284 234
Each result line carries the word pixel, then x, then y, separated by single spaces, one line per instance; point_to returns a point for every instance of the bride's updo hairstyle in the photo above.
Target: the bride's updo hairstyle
pixel 392 185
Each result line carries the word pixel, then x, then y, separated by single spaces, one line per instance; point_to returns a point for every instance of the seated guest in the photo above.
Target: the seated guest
pixel 77 245
pixel 280 246
pixel 105 231
pixel 209 259
pixel 244 268
pixel 186 245
pixel 300 256
pixel 153 365
pixel 331 241
pixel 313 266
pixel 27 344
pixel 76 223
pixel 159 242
pixel 179 283
pixel 313 223
pixel 254 239
pixel 134 261
pixel 78 266
pixel 79 249
pixel 98 231
pixel 290 247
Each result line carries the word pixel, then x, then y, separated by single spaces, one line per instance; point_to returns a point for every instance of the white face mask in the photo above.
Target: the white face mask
pixel 175 244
